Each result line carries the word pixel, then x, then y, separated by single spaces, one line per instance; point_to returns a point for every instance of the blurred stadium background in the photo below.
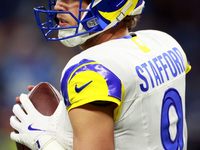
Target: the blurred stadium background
pixel 26 58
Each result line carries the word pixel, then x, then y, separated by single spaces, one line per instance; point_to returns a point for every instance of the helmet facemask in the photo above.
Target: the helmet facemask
pixel 100 15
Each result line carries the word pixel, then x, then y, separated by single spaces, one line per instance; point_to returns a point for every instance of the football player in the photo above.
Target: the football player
pixel 124 91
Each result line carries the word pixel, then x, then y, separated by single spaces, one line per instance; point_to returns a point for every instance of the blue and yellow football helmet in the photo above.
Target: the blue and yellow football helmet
pixel 99 16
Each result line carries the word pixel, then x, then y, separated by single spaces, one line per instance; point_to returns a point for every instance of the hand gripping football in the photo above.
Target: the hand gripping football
pixel 45 99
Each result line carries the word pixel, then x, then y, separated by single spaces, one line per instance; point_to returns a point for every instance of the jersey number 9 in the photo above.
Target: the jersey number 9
pixel 172 100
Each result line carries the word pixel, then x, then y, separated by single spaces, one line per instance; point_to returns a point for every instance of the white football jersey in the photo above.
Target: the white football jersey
pixel 145 76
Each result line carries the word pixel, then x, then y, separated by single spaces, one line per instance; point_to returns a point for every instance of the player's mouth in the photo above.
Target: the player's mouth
pixel 63 23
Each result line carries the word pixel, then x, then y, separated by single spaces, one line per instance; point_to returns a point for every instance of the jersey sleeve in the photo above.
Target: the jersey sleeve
pixel 188 67
pixel 89 81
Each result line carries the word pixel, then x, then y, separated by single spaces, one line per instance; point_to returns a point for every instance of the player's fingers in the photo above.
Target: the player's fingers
pixel 15 136
pixel 18 111
pixel 12 135
pixel 30 87
pixel 27 104
pixel 17 100
pixel 14 122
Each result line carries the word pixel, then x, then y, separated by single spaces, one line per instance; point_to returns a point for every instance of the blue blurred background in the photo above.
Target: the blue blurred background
pixel 26 58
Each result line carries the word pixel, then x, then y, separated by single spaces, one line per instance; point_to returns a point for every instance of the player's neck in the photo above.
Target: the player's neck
pixel 119 31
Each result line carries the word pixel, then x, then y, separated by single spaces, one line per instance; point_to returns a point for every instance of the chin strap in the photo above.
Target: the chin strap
pixel 74 41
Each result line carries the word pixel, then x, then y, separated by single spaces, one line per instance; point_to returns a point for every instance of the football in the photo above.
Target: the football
pixel 45 99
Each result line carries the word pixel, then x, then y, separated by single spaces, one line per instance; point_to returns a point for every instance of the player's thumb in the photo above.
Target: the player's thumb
pixel 60 109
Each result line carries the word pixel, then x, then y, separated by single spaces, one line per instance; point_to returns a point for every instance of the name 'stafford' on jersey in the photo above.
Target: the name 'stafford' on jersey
pixel 144 75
